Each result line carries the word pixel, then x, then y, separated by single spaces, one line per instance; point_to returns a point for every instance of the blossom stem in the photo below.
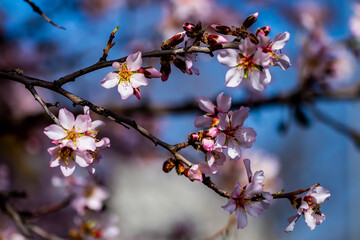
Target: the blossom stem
pixel 290 194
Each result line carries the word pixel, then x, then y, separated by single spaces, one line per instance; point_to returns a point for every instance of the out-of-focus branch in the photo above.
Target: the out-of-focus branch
pixel 336 125
pixel 223 232
pixel 38 10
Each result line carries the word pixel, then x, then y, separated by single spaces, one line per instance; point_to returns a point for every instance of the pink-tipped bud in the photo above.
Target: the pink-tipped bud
pixel 221 29
pixel 264 30
pixel 189 27
pixel 212 132
pixel 174 40
pixel 216 39
pixel 194 137
pixel 249 21
pixel 150 72
pixel 253 39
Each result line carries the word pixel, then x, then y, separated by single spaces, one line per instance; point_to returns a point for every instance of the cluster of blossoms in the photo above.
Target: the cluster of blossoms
pixel 309 206
pixel 75 142
pixel 252 61
pixel 226 133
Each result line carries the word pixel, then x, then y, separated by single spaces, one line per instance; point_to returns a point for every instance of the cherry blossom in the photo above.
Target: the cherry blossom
pixel 309 207
pixel 248 199
pixel 129 77
pixel 272 47
pixel 233 135
pixel 251 63
pixel 223 104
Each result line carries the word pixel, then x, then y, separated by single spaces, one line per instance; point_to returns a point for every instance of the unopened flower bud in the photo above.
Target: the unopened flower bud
pixel 249 21
pixel 215 39
pixel 137 93
pixel 165 68
pixel 174 40
pixel 179 168
pixel 180 64
pixel 253 39
pixel 194 137
pixel 221 29
pixel 189 27
pixel 168 165
pixel 264 30
pixel 212 132
pixel 208 144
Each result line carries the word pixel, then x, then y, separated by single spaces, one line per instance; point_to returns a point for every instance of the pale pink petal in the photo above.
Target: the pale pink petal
pixel 230 206
pixel 196 71
pixel 203 121
pixel 86 143
pixel 267 201
pixel 248 169
pixel 224 121
pixel 228 57
pixel 86 110
pixel 254 209
pixel 83 158
pixel 282 61
pixel 234 77
pixel 280 40
pixel 241 218
pixel 292 220
pixel 67 169
pixel 82 123
pixel 223 102
pixel 245 137
pixel 104 142
pixel 239 116
pixel 96 124
pixel 319 193
pixel 55 161
pixel 117 65
pixel 312 219
pixel 66 119
pixel 208 144
pixel 237 191
pixel 206 105
pixel 234 150
pixel 111 80
pixel 55 132
pixel 125 89
pixel 134 61
pixel 221 139
pixel 138 79
pixel 154 73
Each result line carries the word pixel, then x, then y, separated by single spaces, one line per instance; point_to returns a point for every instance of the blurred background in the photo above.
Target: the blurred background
pixel 295 146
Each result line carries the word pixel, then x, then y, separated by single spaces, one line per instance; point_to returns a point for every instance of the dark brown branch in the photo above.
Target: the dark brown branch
pixel 291 194
pixel 157 53
pixel 38 10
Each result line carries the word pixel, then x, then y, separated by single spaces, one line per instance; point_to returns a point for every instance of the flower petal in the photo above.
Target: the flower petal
pixel 55 132
pixel 83 158
pixel 223 102
pixel 254 209
pixel 134 61
pixel 282 61
pixel 206 105
pixel 280 40
pixel 241 218
pixel 125 89
pixel 82 123
pixel 202 121
pixel 292 220
pixel 67 169
pixel 230 206
pixel 86 143
pixel 66 119
pixel 110 80
pixel 138 79
pixel 245 137
pixel 228 57
pixel 234 77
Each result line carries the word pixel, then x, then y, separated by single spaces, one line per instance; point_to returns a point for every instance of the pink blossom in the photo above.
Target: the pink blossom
pixel 272 47
pixel 91 197
pixel 310 208
pixel 126 78
pixel 215 159
pixel 354 22
pixel 208 144
pixel 194 173
pixel 250 63
pixel 233 135
pixel 223 103
pixel 71 131
pixel 242 198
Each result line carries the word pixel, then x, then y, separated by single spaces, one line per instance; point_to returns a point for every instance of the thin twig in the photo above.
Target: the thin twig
pixel 291 194
pixel 109 45
pixel 38 10
pixel 42 103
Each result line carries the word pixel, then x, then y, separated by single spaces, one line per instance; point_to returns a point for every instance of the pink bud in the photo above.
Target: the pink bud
pixel 216 39
pixel 221 29
pixel 249 21
pixel 208 144
pixel 212 132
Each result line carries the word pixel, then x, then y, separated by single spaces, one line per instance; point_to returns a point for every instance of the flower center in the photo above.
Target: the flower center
pixel 72 135
pixel 124 73
pixel 65 154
